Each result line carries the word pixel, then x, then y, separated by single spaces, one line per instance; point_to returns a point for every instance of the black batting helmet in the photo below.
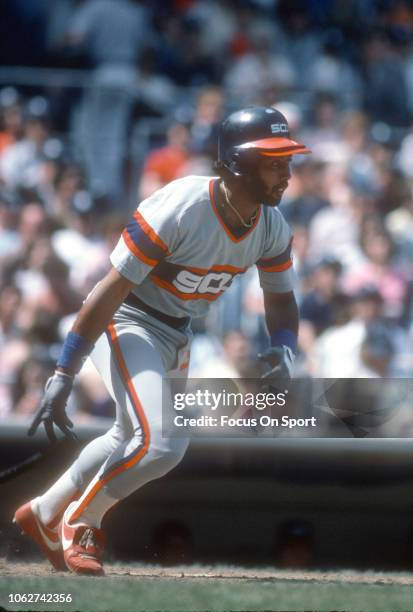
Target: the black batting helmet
pixel 254 130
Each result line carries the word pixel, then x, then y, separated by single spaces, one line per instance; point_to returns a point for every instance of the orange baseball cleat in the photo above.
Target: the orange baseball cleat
pixel 45 537
pixel 82 547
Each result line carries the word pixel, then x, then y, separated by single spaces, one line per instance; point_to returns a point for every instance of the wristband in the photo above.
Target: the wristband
pixel 284 337
pixel 74 351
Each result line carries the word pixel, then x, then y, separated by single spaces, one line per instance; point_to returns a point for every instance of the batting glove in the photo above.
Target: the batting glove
pixel 52 410
pixel 281 361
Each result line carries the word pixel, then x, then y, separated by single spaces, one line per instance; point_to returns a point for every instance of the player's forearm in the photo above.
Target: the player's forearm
pixel 281 312
pixel 100 306
pixel 92 320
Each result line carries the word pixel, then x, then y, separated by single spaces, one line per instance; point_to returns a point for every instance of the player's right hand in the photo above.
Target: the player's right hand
pixel 280 360
pixel 52 410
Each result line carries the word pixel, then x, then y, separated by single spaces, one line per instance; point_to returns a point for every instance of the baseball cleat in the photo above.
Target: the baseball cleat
pixel 45 537
pixel 82 547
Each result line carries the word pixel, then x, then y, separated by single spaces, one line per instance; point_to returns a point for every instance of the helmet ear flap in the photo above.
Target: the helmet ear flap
pixel 234 164
pixel 237 165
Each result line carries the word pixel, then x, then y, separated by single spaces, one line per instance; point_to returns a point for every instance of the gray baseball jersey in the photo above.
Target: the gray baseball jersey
pixel 181 254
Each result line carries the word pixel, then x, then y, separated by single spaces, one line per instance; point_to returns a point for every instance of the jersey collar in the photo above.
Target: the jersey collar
pixel 213 195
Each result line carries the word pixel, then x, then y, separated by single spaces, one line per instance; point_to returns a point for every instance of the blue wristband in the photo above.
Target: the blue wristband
pixel 74 351
pixel 284 337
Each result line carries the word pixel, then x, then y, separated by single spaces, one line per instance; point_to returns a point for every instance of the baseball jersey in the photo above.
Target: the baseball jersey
pixel 181 255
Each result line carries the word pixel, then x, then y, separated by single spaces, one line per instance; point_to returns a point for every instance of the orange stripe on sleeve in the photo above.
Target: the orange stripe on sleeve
pixel 135 250
pixel 150 232
pixel 279 268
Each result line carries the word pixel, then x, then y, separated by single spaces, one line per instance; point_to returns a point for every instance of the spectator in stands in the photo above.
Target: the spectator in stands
pixel 318 305
pixel 10 299
pixel 388 184
pixel 399 223
pixel 332 75
pixel 31 223
pixel 300 40
pixel 325 122
pixel 376 352
pixel 11 118
pixel 80 235
pixel 113 33
pixel 166 163
pixel 9 236
pixel 20 164
pixel 96 266
pixel 235 359
pixel 182 55
pixel 379 270
pixel 301 243
pixel 68 180
pixel 385 88
pixel 109 31
pixel 29 385
pixel 155 92
pixel 14 349
pixel 354 130
pixel 261 71
pixel 405 154
pixel 43 280
pixel 304 197
pixel 334 232
pixel 219 22
pixel 337 353
pixel 206 117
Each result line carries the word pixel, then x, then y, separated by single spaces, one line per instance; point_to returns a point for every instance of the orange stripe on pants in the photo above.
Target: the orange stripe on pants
pixel 124 373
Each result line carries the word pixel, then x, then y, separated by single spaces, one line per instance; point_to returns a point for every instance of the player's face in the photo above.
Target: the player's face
pixel 274 174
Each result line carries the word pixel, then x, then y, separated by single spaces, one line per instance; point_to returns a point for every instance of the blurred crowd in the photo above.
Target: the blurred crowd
pixel 151 82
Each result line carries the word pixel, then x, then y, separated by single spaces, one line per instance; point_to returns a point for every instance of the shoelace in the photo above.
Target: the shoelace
pixel 88 539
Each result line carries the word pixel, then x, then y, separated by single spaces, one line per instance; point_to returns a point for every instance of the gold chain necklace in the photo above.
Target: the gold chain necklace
pixel 248 224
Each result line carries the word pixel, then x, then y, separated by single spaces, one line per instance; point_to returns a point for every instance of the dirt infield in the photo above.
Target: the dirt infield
pixel 218 573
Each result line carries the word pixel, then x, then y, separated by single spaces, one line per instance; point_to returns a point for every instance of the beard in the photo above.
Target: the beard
pixel 259 192
pixel 272 200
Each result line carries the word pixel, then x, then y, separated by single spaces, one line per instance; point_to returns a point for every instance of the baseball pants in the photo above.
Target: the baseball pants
pixel 132 357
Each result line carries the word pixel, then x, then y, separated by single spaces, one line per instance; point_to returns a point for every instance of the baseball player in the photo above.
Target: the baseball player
pixel 180 251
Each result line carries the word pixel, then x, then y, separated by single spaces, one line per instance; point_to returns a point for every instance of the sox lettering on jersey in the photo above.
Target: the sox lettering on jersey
pixel 213 282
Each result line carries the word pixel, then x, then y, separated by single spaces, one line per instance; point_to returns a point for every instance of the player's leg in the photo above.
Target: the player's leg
pixel 40 517
pixel 136 372
pixel 52 503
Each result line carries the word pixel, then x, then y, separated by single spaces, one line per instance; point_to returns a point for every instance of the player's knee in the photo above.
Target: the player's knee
pixel 170 450
pixel 167 458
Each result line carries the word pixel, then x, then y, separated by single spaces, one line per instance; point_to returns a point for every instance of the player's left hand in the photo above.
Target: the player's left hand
pixel 52 409
pixel 281 362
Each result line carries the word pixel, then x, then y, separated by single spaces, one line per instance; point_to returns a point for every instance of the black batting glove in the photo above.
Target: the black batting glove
pixel 280 359
pixel 52 410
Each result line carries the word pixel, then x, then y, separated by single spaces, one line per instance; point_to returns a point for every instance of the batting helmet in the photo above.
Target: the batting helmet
pixel 250 131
